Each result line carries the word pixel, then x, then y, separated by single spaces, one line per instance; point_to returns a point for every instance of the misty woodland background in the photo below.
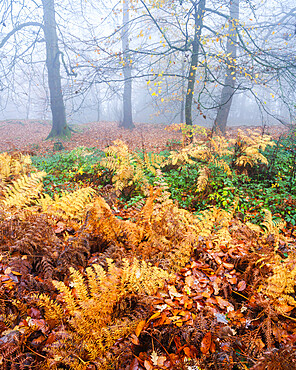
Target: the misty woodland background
pixel 147 185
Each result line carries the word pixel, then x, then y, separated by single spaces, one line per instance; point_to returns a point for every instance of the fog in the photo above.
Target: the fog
pixel 151 51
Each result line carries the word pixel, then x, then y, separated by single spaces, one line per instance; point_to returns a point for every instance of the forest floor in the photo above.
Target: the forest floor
pixel 29 136
pixel 128 259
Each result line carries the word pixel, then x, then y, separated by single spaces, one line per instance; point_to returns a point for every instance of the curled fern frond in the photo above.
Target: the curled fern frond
pixel 270 225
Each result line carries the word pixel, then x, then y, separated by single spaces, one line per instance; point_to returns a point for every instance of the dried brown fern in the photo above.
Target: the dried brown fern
pixel 113 230
pixel 270 230
pixel 153 162
pixel 32 244
pixel 203 154
pixel 275 359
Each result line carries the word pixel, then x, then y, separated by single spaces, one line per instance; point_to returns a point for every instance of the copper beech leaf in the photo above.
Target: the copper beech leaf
pixel 148 365
pixel 134 365
pixel 206 343
pixel 187 352
pixel 140 327
pixel 241 286
pixel 212 347
pixel 223 302
pixel 154 316
pixel 135 340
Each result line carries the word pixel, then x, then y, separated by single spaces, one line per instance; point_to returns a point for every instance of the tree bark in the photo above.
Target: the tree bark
pixel 182 107
pixel 59 124
pixel 98 111
pixel 228 89
pixel 198 23
pixel 127 121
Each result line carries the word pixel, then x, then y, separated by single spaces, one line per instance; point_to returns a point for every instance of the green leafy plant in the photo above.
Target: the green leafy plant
pixel 66 169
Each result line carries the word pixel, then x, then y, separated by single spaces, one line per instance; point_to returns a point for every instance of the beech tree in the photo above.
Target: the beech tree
pixel 228 88
pixel 48 26
pixel 127 121
pixel 198 13
pixel 193 20
pixel 228 55
pixel 59 124
pixel 194 55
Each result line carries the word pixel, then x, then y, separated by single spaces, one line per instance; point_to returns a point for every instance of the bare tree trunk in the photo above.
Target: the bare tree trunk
pixel 127 121
pixel 198 23
pixel 98 111
pixel 229 83
pixel 28 108
pixel 59 125
pixel 182 110
pixel 98 101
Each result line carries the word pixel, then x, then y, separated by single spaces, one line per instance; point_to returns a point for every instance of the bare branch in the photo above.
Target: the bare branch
pixel 18 28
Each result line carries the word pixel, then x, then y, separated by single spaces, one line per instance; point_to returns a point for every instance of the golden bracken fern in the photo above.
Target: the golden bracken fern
pixel 247 148
pixel 280 286
pixel 14 165
pixel 69 205
pixel 92 324
pixel 23 192
pixel 126 167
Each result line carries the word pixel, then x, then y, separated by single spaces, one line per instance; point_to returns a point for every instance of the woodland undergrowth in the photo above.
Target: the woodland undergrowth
pixel 120 274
